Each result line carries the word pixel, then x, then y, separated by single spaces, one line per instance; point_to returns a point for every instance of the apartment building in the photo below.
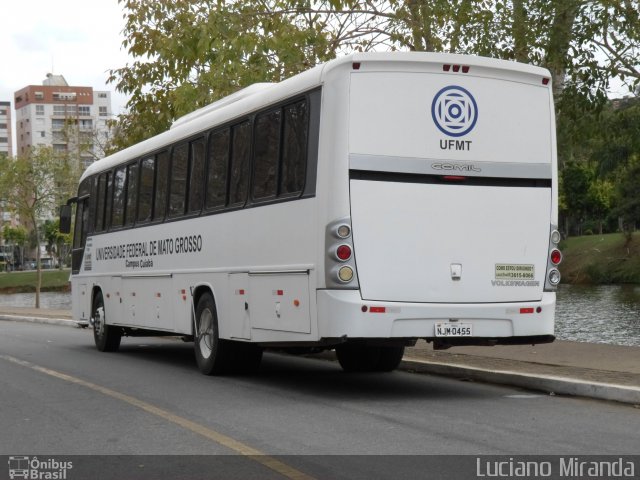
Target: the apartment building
pixel 70 119
pixel 6 144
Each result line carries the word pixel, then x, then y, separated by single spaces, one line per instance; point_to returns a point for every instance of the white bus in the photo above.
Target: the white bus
pixel 369 202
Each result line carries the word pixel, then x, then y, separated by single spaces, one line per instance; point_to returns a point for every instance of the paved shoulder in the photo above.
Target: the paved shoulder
pixel 608 372
pixel 39 315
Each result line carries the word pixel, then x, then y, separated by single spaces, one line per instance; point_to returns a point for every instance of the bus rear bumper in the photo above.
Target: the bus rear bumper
pixel 342 314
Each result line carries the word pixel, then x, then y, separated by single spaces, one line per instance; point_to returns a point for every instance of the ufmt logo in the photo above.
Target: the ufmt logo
pixel 35 469
pixel 455 113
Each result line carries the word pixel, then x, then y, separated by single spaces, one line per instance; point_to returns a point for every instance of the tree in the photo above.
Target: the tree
pixel 576 183
pixel 191 52
pixel 17 237
pixel 32 186
pixel 628 194
pixel 56 241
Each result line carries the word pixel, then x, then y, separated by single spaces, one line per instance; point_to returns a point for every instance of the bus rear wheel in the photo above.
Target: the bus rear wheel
pixel 216 356
pixel 211 355
pixel 106 337
pixel 367 358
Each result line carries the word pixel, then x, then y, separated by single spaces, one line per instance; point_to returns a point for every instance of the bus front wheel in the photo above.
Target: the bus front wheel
pixel 107 337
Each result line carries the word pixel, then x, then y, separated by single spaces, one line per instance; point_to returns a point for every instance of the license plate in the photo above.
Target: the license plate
pixel 454 330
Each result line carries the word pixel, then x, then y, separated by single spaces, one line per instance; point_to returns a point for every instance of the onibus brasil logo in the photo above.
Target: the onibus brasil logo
pixel 35 469
pixel 455 113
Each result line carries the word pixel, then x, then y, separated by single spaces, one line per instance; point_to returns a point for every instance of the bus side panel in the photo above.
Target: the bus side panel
pixel 111 295
pixel 147 302
pixel 237 311
pixel 81 300
pixel 280 302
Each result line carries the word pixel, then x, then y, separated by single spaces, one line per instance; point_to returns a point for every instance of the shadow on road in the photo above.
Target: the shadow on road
pixel 303 375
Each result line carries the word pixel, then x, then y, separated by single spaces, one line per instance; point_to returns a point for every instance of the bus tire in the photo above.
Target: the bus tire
pixel 390 358
pixel 106 337
pixel 367 358
pixel 247 357
pixel 213 355
pixel 358 358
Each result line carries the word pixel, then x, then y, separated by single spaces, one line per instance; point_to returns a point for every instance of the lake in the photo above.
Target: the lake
pixel 597 314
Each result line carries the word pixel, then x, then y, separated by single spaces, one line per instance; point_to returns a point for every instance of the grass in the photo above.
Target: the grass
pixel 601 259
pixel 18 282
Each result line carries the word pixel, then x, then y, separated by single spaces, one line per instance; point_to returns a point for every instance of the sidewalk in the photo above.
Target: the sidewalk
pixel 608 372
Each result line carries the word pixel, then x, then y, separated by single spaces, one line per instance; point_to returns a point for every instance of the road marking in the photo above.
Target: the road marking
pixel 224 440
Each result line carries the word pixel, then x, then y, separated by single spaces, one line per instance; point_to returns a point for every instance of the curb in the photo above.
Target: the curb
pixel 43 320
pixel 544 383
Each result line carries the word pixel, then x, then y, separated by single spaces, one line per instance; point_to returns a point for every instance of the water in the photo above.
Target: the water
pixel 599 314
pixel 596 314
pixel 55 300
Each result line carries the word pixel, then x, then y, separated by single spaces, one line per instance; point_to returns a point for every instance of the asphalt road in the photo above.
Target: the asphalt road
pixel 60 396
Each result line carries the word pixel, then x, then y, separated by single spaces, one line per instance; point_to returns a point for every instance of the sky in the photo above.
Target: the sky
pixel 79 39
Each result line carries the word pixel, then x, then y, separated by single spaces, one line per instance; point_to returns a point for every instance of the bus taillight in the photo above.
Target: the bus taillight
pixel 340 268
pixel 553 260
pixel 345 274
pixel 343 252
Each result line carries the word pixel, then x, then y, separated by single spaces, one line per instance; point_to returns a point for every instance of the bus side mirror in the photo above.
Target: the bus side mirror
pixel 65 219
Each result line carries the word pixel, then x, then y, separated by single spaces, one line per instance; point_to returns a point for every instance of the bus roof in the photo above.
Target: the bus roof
pixel 259 95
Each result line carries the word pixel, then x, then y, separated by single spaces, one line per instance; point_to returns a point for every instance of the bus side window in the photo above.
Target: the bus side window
pixel 108 201
pixel 100 202
pixel 266 154
pixel 83 215
pixel 132 194
pixel 218 166
pixel 161 185
pixel 117 210
pixel 77 229
pixel 178 187
pixel 294 145
pixel 145 195
pixel 85 221
pixel 240 152
pixel 196 176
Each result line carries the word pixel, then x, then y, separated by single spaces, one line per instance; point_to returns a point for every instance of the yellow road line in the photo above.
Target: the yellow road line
pixel 224 440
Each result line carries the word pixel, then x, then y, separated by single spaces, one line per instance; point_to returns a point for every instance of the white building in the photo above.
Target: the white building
pixel 5 128
pixel 68 118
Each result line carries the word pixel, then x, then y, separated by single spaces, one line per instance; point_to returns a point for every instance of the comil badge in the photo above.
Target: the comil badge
pixel 454 111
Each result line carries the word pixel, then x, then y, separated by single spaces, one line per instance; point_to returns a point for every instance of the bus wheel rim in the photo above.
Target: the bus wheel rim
pixel 205 333
pixel 99 321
